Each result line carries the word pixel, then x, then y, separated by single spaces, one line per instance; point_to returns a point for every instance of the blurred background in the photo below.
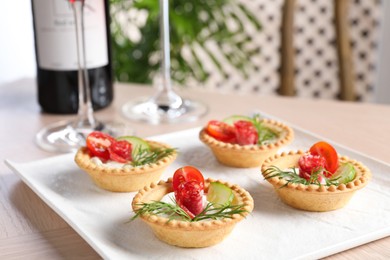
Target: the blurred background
pixel 229 45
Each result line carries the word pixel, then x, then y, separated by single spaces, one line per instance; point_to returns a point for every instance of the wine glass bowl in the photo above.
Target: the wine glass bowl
pixel 59 137
pixel 165 106
pixel 161 109
pixel 64 136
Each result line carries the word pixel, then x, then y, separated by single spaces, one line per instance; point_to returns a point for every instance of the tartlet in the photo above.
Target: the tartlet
pixel 314 197
pixel 247 156
pixel 128 178
pixel 190 234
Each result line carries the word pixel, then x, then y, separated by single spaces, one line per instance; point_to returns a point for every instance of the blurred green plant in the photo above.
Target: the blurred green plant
pixel 212 30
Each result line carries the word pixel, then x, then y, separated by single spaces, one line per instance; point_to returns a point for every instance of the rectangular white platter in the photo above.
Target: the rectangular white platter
pixel 272 231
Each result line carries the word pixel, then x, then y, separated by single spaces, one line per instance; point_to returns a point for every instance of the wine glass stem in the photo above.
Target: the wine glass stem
pixel 166 98
pixel 85 110
pixel 165 46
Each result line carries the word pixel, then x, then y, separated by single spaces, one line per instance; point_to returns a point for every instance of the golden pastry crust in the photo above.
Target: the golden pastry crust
pixel 314 197
pixel 190 234
pixel 247 156
pixel 124 179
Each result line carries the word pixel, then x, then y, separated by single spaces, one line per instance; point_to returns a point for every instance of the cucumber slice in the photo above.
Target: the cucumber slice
pixel 137 144
pixel 232 119
pixel 345 173
pixel 219 193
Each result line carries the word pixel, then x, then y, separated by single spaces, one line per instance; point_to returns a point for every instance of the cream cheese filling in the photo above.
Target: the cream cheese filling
pixel 109 163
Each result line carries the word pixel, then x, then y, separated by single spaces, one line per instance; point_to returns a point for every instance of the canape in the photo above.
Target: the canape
pixel 125 164
pixel 245 142
pixel 188 211
pixel 317 180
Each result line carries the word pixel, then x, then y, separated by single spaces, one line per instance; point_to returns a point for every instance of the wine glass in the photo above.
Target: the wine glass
pixel 165 106
pixel 67 136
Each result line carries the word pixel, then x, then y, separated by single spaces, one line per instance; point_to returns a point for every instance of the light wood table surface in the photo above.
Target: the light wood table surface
pixel 29 229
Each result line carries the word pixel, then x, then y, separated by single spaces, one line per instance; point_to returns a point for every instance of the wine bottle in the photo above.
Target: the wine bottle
pixel 56 54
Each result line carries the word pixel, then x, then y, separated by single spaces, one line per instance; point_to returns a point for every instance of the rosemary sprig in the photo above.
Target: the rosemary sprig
pixel 214 211
pixel 291 176
pixel 265 134
pixel 143 156
pixel 174 211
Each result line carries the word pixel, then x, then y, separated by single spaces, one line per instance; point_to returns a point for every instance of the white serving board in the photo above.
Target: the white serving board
pixel 273 231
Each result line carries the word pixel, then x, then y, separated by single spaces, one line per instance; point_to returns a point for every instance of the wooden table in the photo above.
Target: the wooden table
pixel 30 229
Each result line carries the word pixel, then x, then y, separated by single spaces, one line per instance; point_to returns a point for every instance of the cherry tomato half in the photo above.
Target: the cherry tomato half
pixel 98 144
pixel 186 174
pixel 120 151
pixel 329 153
pixel 221 131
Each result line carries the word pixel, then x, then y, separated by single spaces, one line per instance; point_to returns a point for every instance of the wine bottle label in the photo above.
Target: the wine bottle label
pixel 55 34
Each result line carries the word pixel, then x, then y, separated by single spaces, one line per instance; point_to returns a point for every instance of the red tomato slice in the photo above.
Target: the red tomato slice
pixel 120 151
pixel 186 174
pixel 329 153
pixel 98 144
pixel 246 133
pixel 221 131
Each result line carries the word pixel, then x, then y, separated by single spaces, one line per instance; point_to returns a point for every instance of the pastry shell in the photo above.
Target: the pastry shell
pixel 190 234
pixel 124 179
pixel 315 197
pixel 248 156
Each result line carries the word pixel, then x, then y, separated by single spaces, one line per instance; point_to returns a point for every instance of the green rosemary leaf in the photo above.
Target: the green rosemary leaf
pixel 265 134
pixel 213 211
pixel 291 176
pixel 146 156
pixel 174 211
